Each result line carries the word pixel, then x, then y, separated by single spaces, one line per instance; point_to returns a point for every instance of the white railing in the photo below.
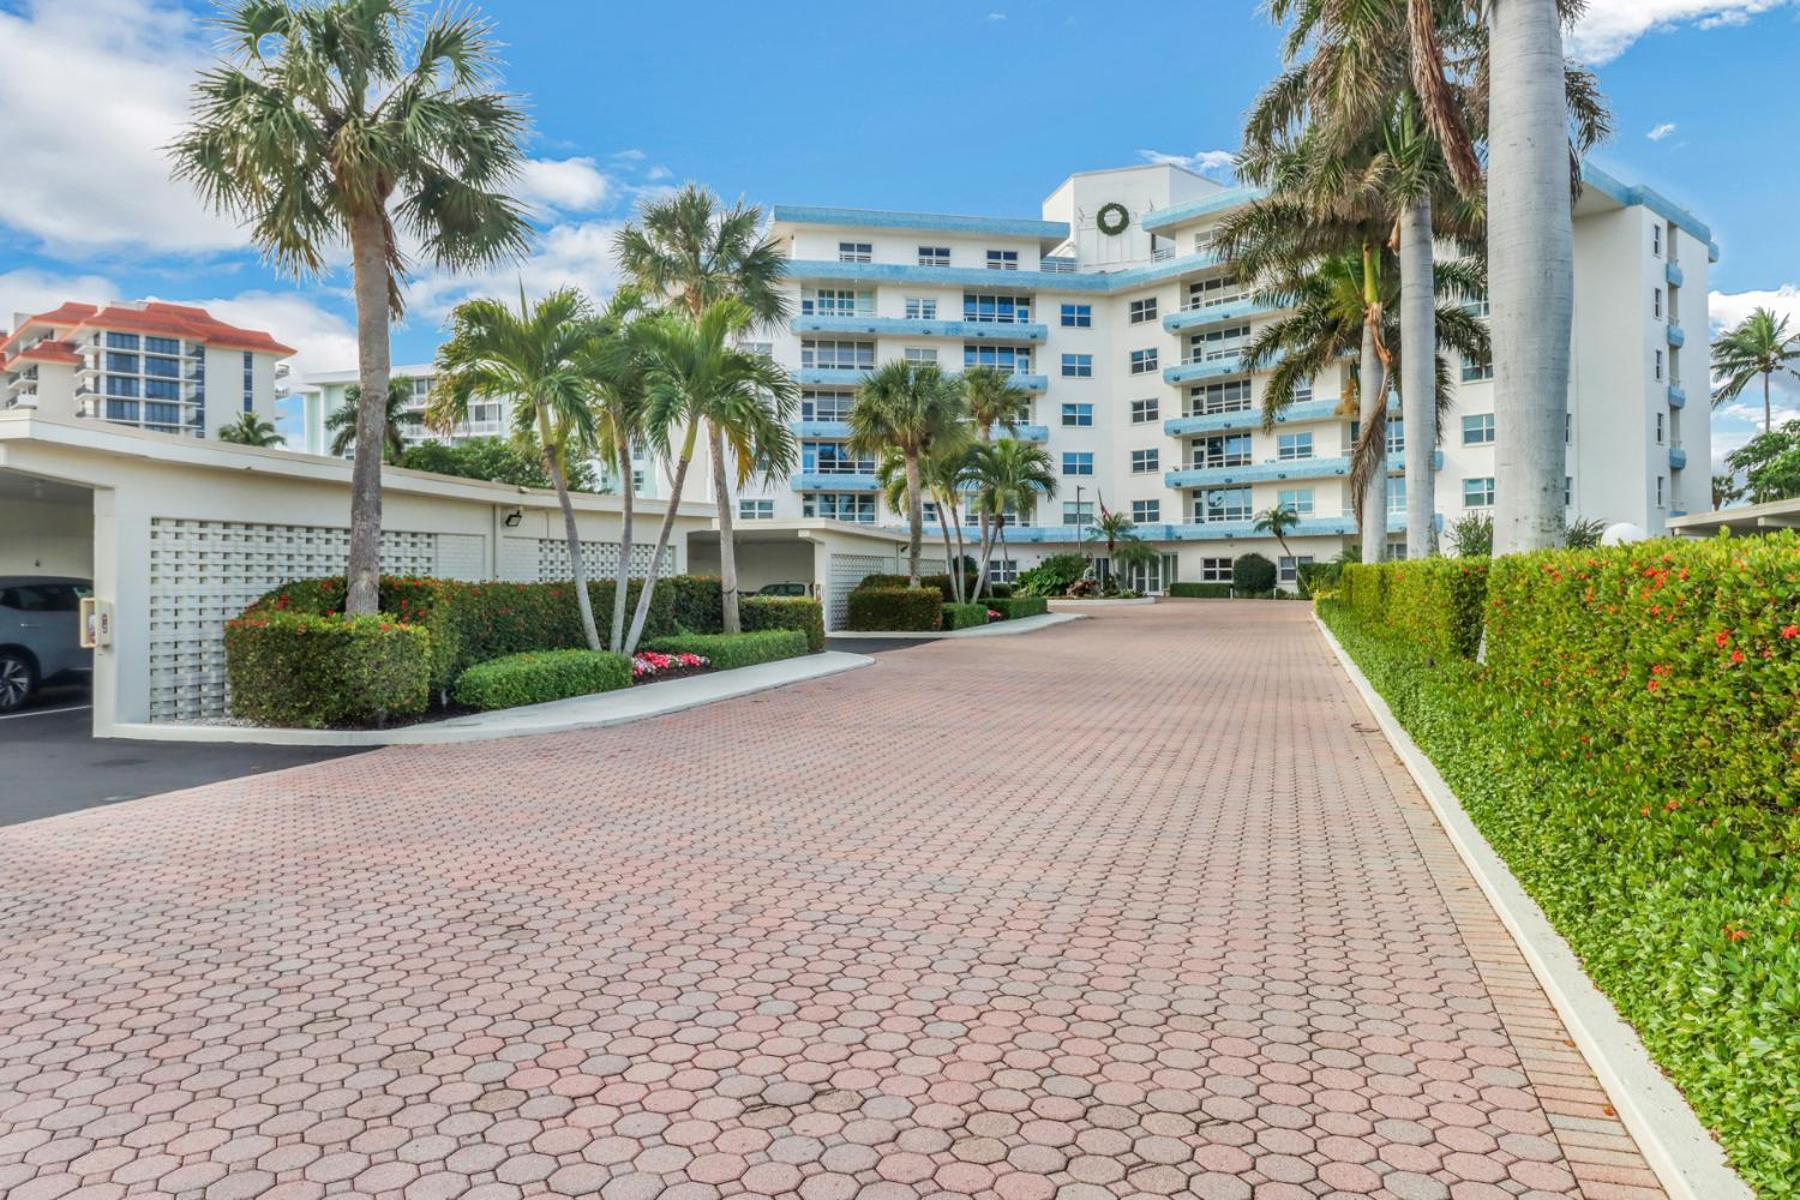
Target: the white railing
pixel 1162 254
pixel 1213 300
pixel 1057 266
pixel 1216 353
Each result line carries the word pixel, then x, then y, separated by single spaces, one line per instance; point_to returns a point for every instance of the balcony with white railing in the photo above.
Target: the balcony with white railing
pixel 1215 360
pixel 1198 314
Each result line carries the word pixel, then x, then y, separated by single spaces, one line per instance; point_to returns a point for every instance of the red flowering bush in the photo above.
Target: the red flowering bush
pixel 648 663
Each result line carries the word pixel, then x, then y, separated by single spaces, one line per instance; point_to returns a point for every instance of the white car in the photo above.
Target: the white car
pixel 40 635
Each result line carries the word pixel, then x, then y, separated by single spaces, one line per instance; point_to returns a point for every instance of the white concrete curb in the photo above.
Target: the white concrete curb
pixel 558 716
pixel 1690 1164
pixel 997 629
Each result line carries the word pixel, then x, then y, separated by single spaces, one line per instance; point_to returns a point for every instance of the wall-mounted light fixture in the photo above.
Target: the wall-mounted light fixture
pixel 513 518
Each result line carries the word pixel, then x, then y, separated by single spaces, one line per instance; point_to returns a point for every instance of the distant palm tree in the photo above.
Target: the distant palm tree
pixel 1130 553
pixel 944 476
pixel 343 421
pixel 993 399
pixel 1276 522
pixel 614 363
pixel 1009 477
pixel 251 430
pixel 530 357
pixel 913 409
pixel 318 129
pixel 1758 345
pixel 1725 489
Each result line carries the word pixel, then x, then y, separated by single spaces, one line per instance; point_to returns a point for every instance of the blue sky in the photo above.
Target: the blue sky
pixel 949 105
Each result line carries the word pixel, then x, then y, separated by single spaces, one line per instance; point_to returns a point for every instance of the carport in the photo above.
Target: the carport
pixel 829 557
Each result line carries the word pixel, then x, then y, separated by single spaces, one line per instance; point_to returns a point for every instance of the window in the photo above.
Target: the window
pixel 1219 398
pixel 1078 462
pixel 840 356
pixel 1215 570
pixel 1225 450
pixel 1223 504
pixel 127 363
pixel 1656 234
pixel 1659 429
pixel 1396 437
pixel 1143 362
pixel 837 302
pixel 1289 568
pixel 122 341
pixel 1078 366
pixel 1146 512
pixel 1292 446
pixel 161 413
pixel 1396 496
pixel 1568 490
pixel 1004 570
pixel 121 385
pixel 1659 365
pixel 1144 411
pixel 856 252
pixel 1143 310
pixel 1298 499
pixel 1303 391
pixel 1660 485
pixel 840 506
pixel 1003 260
pixel 921 308
pixel 168 368
pixel 121 410
pixel 833 458
pixel 1474 370
pixel 1210 293
pixel 934 256
pixel 163 389
pixel 826 406
pixel 1218 344
pixel 1078 512
pixel 1079 416
pixel 1013 360
pixel 1078 316
pixel 1478 493
pixel 756 510
pixel 1656 303
pixel 1568 427
pixel 1002 310
pixel 1478 429
pixel 1145 461
pixel 921 355
pixel 162 345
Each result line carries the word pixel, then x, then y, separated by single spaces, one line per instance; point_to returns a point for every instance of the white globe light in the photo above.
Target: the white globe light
pixel 1622 534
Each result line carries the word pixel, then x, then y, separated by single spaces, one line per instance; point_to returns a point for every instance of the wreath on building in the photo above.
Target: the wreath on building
pixel 1113 219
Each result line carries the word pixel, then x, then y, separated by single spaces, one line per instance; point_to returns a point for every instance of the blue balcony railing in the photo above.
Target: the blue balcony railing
pixel 1199 318
pixel 1265 472
pixel 1673 274
pixel 850 377
pixel 1677 336
pixel 1251 418
pixel 969 331
pixel 831 481
pixel 821 429
pixel 1212 368
pixel 1677 397
pixel 1677 458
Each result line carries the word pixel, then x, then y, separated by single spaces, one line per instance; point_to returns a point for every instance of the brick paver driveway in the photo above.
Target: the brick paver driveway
pixel 1134 906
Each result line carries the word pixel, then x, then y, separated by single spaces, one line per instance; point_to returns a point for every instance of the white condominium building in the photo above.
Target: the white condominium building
pixel 166 368
pixel 1124 328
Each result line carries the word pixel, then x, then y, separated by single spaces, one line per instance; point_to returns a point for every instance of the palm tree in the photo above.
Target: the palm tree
pixel 319 128
pixel 1758 345
pixel 944 476
pixel 1009 477
pixel 251 430
pixel 1277 522
pixel 613 362
pixel 1725 489
pixel 1111 528
pixel 693 252
pixel 913 409
pixel 1131 552
pixel 695 375
pixel 529 357
pixel 993 400
pixel 343 421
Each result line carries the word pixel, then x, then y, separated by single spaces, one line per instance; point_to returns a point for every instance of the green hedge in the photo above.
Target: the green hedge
pixel 911 609
pixel 1012 608
pixel 311 671
pixel 1200 591
pixel 726 651
pixel 699 603
pixel 881 581
pixel 543 675
pixel 757 613
pixel 1435 603
pixel 1252 574
pixel 965 616
pixel 1631 747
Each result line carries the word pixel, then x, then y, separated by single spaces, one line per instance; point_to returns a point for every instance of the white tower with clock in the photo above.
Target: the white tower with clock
pixel 1105 211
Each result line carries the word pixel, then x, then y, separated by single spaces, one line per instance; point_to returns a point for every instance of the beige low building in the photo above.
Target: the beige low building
pixel 178 534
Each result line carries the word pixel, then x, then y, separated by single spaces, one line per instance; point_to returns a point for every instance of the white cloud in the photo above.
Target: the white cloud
pixel 1737 422
pixel 568 184
pixel 571 254
pixel 1661 131
pixel 1609 27
pixel 996 16
pixel 27 292
pixel 1730 308
pixel 1215 163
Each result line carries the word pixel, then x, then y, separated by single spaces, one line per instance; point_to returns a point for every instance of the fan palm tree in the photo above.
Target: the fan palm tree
pixel 693 252
pixel 1725 489
pixel 343 421
pixel 914 410
pixel 993 399
pixel 695 376
pixel 1760 344
pixel 251 430
pixel 612 359
pixel 1009 477
pixel 945 476
pixel 529 357
pixel 357 119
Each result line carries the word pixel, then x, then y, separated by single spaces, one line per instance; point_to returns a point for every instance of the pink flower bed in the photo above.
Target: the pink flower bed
pixel 648 663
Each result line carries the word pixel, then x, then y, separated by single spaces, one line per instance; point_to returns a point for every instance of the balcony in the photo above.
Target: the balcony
pixel 1677 397
pixel 1672 273
pixel 821 429
pixel 849 377
pixel 1055 275
pixel 1251 418
pixel 1677 458
pixel 1200 316
pixel 1677 337
pixel 1213 365
pixel 973 331
pixel 1265 472
pixel 832 481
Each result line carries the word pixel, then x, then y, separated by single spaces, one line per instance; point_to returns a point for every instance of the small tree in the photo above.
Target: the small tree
pixel 1758 345
pixel 1276 522
pixel 913 410
pixel 1128 554
pixel 1472 536
pixel 1253 575
pixel 251 430
pixel 343 421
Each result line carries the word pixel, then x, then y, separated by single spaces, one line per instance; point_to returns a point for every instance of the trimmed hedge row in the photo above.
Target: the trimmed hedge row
pixel 540 676
pixel 896 609
pixel 311 671
pixel 726 651
pixel 1200 591
pixel 758 613
pixel 1012 608
pixel 965 616
pixel 1435 603
pixel 700 603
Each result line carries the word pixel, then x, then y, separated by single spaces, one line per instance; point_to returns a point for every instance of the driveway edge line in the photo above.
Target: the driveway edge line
pixel 1678 1148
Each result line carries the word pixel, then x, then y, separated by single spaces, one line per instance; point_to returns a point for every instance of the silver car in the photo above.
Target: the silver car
pixel 40 635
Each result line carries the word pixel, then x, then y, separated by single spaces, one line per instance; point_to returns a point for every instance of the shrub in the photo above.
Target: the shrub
pixel 943 584
pixel 542 675
pixel 1317 576
pixel 1200 591
pixel 311 671
pixel 1434 603
pixel 699 603
pixel 965 616
pixel 785 612
pixel 1472 536
pixel 1252 574
pixel 873 582
pixel 999 591
pixel 920 609
pixel 1013 608
pixel 727 651
pixel 1052 577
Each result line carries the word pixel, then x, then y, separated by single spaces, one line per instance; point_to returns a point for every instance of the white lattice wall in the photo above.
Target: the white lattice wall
pixel 843 573
pixel 601 559
pixel 203 573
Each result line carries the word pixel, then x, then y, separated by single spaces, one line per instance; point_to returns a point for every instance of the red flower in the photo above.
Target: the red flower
pixel 1735 935
pixel 1722 637
pixel 1790 631
pixel 1737 656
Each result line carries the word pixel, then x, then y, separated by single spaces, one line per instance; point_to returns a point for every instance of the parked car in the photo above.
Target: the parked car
pixel 40 635
pixel 784 589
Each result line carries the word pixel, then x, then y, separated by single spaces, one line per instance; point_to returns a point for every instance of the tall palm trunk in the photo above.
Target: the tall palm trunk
pixel 622 583
pixel 728 576
pixel 1531 270
pixel 1418 375
pixel 662 538
pixel 1372 378
pixel 1768 412
pixel 949 569
pixel 583 602
pixel 915 515
pixel 371 284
